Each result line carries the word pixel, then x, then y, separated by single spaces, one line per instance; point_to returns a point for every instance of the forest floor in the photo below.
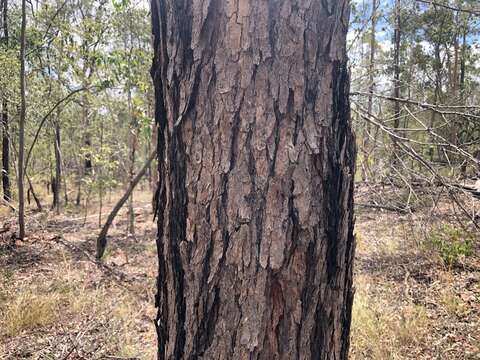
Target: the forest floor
pixel 412 301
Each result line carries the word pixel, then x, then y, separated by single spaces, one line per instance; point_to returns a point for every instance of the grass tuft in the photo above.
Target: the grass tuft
pixel 28 311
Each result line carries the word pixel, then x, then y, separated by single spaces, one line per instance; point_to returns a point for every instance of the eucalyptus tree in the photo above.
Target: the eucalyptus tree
pixel 21 130
pixel 256 159
pixel 127 64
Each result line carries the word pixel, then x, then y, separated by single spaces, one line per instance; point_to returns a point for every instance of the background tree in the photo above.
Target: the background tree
pixel 5 126
pixel 76 60
pixel 21 130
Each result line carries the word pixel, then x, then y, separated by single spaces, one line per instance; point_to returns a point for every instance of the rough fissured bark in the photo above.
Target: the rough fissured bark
pixel 256 161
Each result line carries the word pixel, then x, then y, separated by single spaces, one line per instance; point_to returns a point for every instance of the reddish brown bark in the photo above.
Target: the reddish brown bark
pixel 256 161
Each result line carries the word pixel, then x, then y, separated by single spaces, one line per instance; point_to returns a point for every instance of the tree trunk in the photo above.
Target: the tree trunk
pixel 132 139
pixel 100 176
pixel 31 190
pixel 155 178
pixel 371 88
pixel 7 193
pixel 436 96
pixel 256 161
pixel 57 183
pixel 456 51
pixel 396 80
pixel 21 128
pixel 463 63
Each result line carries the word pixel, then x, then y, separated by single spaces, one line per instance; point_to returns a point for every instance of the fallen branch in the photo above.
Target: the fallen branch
pixel 8 204
pixel 384 207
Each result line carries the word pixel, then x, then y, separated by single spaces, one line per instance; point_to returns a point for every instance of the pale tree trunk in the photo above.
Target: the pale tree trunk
pixel 456 50
pixel 466 136
pixel 59 175
pixel 132 139
pixel 131 176
pixel 100 176
pixel 7 193
pixel 396 79
pixel 21 128
pixel 153 143
pixel 436 95
pixel 87 168
pixel 463 62
pixel 57 184
pixel 155 179
pixel 371 88
pixel 256 161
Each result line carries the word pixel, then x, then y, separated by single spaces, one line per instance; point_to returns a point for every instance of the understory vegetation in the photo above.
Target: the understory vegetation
pixel 55 299
pixel 80 198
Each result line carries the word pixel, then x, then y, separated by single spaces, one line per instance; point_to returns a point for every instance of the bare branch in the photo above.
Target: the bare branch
pixel 446 6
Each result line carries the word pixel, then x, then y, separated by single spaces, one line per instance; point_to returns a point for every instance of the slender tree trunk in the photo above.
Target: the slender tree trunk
pixel 59 174
pixel 131 212
pixel 463 64
pixel 57 184
pixel 256 160
pixel 155 170
pixel 463 53
pixel 131 170
pixel 371 88
pixel 87 141
pixel 31 190
pixel 86 168
pixel 7 193
pixel 65 190
pixel 436 94
pixel 100 176
pixel 153 141
pixel 21 127
pixel 396 78
pixel 456 51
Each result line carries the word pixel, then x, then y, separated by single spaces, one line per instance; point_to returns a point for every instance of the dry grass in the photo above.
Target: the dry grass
pixel 27 311
pixel 54 300
pixel 408 303
pixel 381 329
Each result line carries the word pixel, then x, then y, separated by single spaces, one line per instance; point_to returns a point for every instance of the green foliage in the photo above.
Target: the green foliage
pixel 120 4
pixel 452 244
pixel 102 46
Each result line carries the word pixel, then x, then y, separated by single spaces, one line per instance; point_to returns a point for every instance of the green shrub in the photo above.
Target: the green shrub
pixel 451 243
